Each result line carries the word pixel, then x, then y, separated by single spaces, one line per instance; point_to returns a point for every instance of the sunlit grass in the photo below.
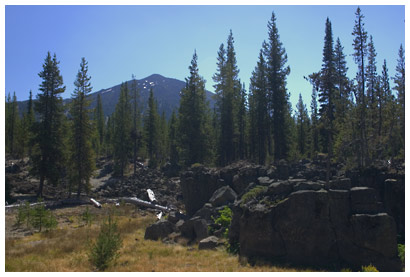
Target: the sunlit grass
pixel 66 248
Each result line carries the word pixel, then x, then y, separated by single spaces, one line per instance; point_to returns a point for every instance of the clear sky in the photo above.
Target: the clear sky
pixel 118 41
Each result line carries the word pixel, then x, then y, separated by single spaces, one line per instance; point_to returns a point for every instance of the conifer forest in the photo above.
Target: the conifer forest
pixel 353 129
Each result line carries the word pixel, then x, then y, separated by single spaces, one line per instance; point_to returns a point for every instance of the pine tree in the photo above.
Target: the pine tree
pixel 230 104
pixel 99 122
pixel 258 106
pixel 47 153
pixel 81 157
pixel 342 82
pixel 399 80
pixel 242 114
pixel 372 84
pixel 121 137
pixel 326 80
pixel 136 133
pixel 302 125
pixel 277 72
pixel 315 122
pixel 359 55
pixel 12 123
pixel 152 132
pixel 194 122
pixel 30 122
pixel 173 141
pixel 162 139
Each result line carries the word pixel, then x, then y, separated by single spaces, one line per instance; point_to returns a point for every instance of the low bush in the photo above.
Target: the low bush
pixel 105 251
pixel 253 194
pixel 369 268
pixel 400 248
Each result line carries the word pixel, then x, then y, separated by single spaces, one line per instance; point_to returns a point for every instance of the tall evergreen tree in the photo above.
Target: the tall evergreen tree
pixel 230 104
pixel 194 125
pixel 121 140
pixel 372 83
pixel 359 55
pixel 277 71
pixel 315 122
pixel 342 82
pixel 99 122
pixel 47 154
pixel 242 114
pixel 302 124
pixel 173 141
pixel 152 131
pixel 258 105
pixel 12 123
pixel 30 121
pixel 136 133
pixel 81 157
pixel 399 80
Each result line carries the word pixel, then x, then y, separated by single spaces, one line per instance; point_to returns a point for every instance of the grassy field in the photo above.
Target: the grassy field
pixel 66 248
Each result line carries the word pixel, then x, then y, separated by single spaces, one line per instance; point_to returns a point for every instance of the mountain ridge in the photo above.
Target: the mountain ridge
pixel 166 92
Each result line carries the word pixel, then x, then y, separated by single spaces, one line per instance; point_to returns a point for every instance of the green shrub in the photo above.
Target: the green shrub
pixel 23 214
pixel 225 217
pixel 87 217
pixel 400 248
pixel 40 217
pixel 369 268
pixel 105 250
pixel 253 194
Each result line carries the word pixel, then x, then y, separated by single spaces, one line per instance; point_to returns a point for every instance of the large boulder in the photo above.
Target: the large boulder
pixel 194 229
pixel 316 228
pixel 209 243
pixel 159 230
pixel 364 200
pixel 394 202
pixel 223 196
pixel 198 184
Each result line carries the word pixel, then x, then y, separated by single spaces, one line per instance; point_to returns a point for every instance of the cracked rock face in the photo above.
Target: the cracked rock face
pixel 317 228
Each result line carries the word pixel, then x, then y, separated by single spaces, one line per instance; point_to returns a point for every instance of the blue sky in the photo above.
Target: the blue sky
pixel 118 41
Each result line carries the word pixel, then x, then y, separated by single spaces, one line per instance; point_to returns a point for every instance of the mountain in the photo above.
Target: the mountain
pixel 166 91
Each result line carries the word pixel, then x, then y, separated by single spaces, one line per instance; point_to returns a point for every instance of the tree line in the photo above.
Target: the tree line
pixel 353 121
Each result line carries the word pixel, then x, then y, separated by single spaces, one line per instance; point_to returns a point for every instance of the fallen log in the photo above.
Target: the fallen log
pixel 140 202
pixel 95 203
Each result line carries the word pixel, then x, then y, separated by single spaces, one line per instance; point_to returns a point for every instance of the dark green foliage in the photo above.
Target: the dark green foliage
pixel 302 127
pixel 23 214
pixel 136 128
pixel 258 112
pixel 48 150
pixel 99 123
pixel 278 97
pixel 152 131
pixel 194 119
pixel 359 55
pixel 401 251
pixel 87 217
pixel 314 130
pixel 121 136
pixel 399 80
pixel 230 105
pixel 8 188
pixel 12 123
pixel 173 141
pixel 41 218
pixel 105 250
pixel 81 158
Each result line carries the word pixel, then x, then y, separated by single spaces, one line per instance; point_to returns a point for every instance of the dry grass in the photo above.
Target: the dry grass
pixel 65 249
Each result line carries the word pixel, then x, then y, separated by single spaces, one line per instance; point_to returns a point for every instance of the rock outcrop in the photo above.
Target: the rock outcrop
pixel 316 227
